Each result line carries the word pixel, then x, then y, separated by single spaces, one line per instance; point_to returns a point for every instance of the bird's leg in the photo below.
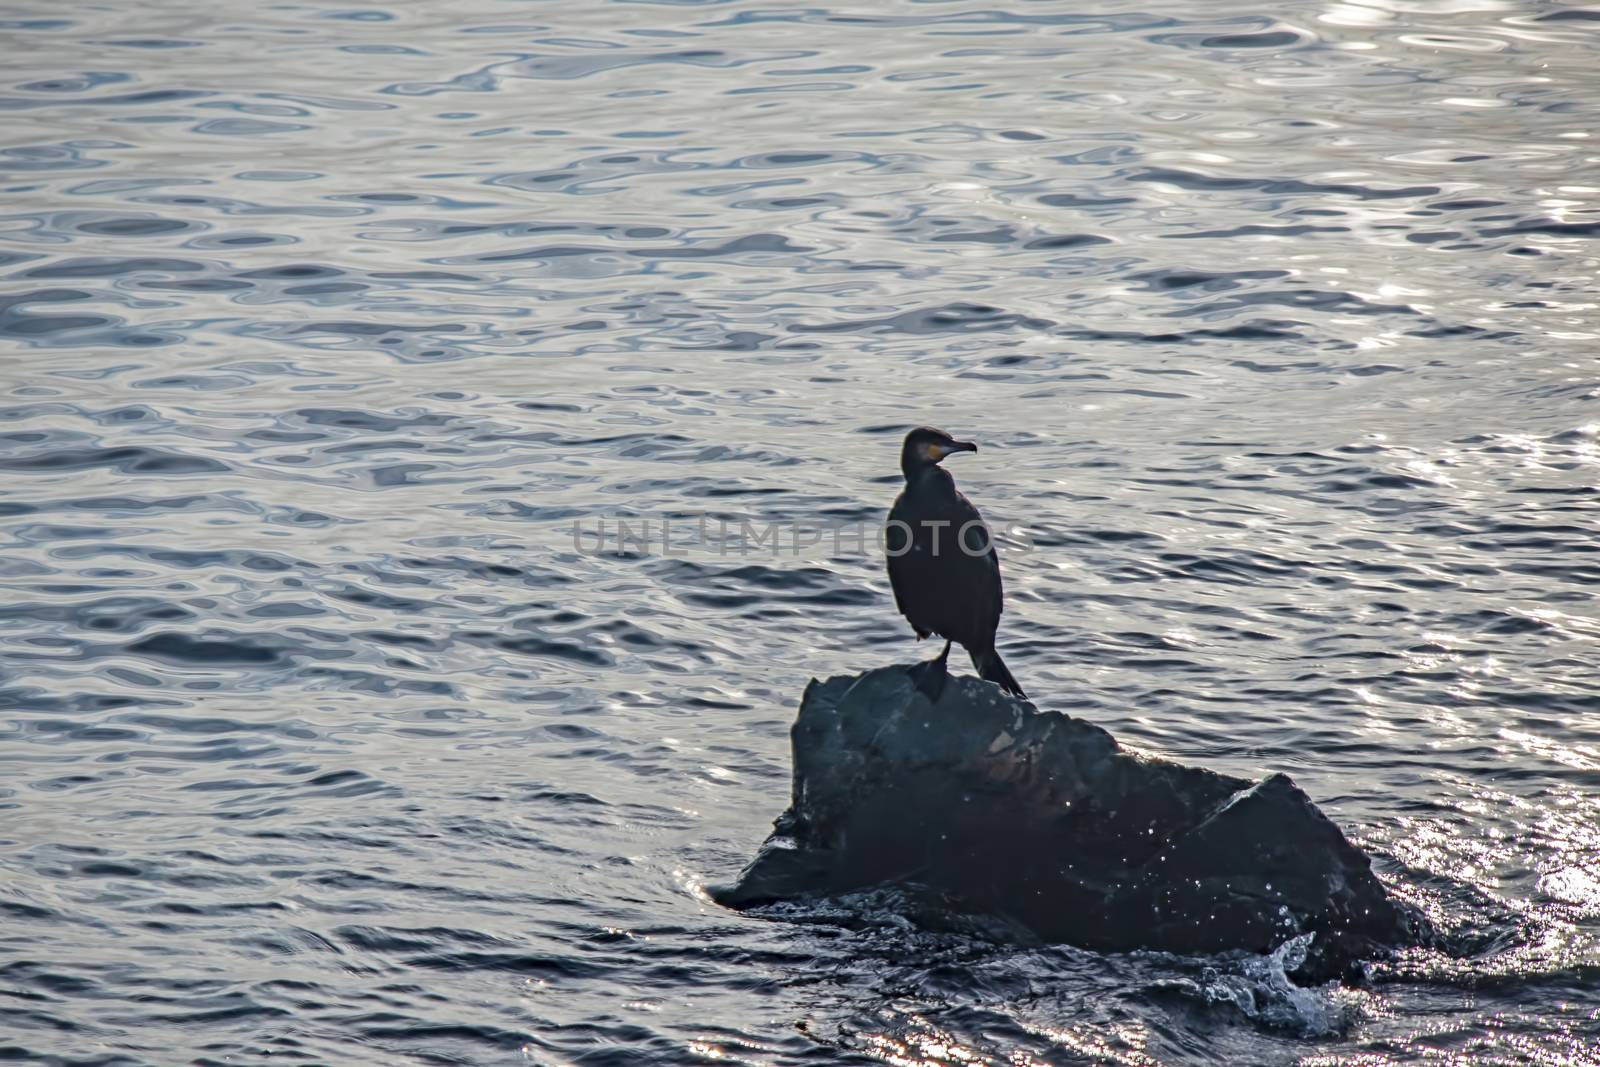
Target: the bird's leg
pixel 934 674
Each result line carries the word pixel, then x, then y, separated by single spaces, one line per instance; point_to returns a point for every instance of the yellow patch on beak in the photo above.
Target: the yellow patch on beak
pixel 935 452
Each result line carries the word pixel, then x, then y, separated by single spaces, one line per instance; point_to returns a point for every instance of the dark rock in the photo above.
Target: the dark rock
pixel 1045 826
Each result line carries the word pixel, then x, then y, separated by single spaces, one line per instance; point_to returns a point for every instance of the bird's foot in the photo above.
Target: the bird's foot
pixel 930 678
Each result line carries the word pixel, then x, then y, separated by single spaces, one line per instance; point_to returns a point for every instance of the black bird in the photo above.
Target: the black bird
pixel 942 562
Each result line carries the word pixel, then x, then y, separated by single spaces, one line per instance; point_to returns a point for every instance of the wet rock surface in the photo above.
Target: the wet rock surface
pixel 1045 828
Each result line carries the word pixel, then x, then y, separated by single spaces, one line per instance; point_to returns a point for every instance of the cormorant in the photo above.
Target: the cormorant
pixel 942 562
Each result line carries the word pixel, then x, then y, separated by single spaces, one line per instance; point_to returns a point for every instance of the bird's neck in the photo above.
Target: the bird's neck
pixel 927 474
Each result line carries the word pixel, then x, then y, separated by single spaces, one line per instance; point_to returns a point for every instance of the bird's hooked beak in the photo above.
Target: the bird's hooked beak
pixel 938 452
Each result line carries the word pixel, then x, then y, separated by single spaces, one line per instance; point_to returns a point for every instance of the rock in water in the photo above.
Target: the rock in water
pixel 1043 824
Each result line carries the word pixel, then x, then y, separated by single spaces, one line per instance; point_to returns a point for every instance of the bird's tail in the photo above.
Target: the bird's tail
pixel 993 668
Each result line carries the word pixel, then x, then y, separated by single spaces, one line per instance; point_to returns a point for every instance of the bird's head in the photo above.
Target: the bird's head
pixel 925 447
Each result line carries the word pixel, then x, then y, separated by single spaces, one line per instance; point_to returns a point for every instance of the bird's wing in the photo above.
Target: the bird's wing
pixel 991 602
pixel 898 577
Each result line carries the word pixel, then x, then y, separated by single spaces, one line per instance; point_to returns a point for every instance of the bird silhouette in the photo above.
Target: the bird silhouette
pixel 942 563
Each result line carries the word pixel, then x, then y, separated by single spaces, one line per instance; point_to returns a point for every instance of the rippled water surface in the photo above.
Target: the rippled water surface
pixel 322 740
